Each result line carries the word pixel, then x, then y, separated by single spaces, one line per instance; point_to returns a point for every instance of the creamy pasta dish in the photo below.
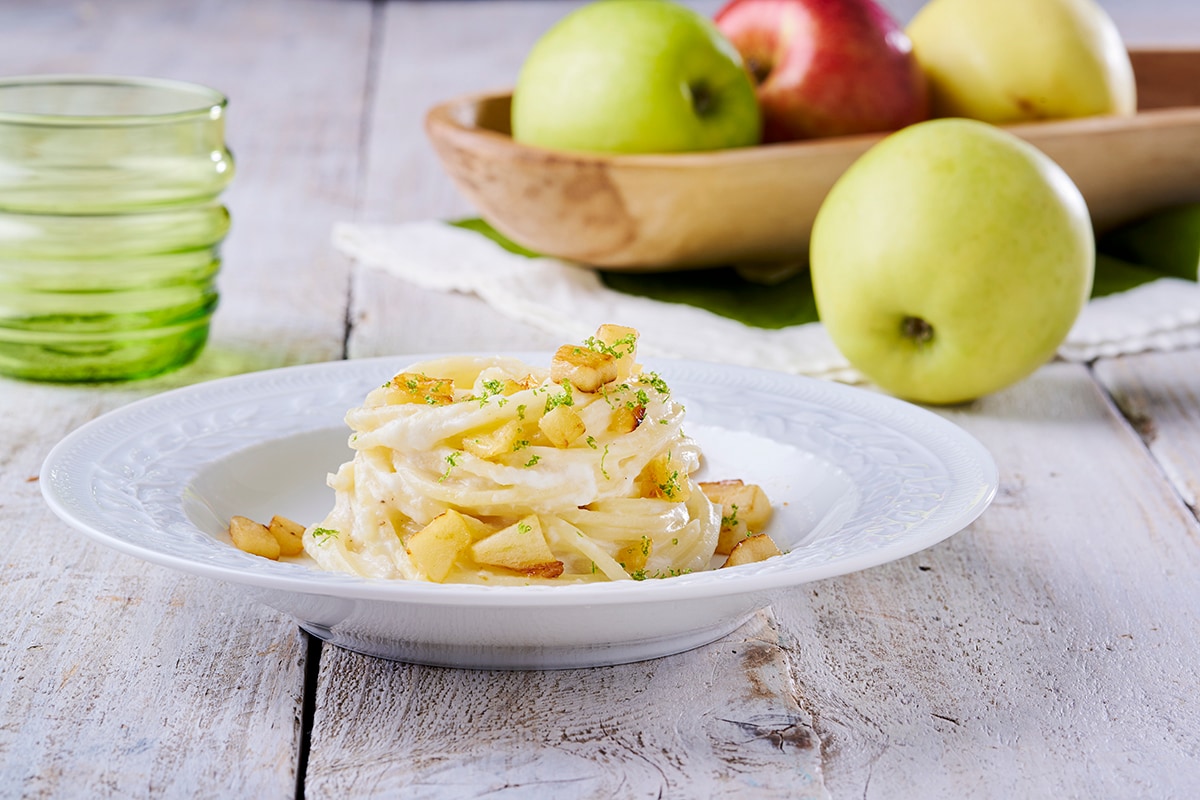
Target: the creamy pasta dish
pixel 490 470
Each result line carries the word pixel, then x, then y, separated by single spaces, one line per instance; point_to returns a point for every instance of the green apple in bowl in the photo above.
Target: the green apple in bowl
pixel 951 260
pixel 634 76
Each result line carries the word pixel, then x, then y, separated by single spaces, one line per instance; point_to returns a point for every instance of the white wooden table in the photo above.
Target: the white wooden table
pixel 1050 650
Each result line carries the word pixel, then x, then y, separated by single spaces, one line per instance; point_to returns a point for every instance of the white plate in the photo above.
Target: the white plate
pixel 857 479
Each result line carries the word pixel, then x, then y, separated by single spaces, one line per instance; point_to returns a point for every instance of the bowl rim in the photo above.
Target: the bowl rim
pixel 443 121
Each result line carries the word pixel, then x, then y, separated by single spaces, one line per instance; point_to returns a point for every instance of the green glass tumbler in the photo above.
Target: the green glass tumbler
pixel 110 225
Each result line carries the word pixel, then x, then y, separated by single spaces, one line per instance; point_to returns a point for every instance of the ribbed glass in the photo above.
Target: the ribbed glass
pixel 110 225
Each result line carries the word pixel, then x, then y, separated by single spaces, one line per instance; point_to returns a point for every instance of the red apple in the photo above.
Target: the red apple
pixel 826 67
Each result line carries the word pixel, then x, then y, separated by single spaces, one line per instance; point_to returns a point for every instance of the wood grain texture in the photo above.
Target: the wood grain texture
pixel 118 679
pixel 1046 651
pixel 717 722
pixel 1159 393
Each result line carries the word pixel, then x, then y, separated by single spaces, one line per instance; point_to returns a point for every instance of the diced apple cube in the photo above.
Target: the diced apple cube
pixel 521 547
pixel 751 501
pixel 623 343
pixel 528 382
pixel 477 527
pixel 487 386
pixel 504 439
pixel 745 510
pixel 731 534
pixel 626 418
pixel 253 537
pixel 562 426
pixel 414 387
pixel 585 369
pixel 755 548
pixel 621 338
pixel 633 556
pixel 289 535
pixel 436 547
pixel 663 478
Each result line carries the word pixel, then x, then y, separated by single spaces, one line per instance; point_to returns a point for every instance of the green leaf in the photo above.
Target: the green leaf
pixel 482 227
pixel 1114 276
pixel 723 291
pixel 1160 245
pixel 1167 242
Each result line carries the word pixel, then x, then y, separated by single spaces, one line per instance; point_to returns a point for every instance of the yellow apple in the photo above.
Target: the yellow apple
pixel 1005 61
pixel 951 260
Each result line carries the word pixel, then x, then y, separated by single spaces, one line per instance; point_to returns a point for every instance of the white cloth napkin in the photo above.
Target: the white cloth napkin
pixel 572 301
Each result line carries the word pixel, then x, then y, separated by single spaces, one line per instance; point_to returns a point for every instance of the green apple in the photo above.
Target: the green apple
pixel 635 76
pixel 1007 61
pixel 951 260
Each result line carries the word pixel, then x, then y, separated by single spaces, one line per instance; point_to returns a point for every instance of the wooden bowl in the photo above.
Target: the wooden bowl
pixel 757 204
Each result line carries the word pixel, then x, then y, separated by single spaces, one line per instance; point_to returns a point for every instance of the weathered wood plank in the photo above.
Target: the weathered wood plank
pixel 433 51
pixel 718 722
pixel 1159 393
pixel 1047 651
pixel 116 678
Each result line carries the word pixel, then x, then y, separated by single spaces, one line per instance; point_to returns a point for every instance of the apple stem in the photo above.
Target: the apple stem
pixel 702 99
pixel 759 70
pixel 916 329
